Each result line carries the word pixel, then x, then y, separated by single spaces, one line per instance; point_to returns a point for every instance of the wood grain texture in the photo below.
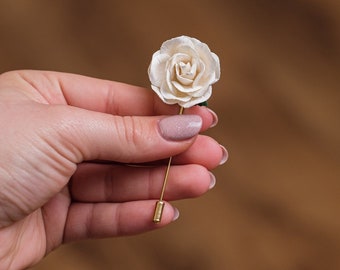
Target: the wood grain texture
pixel 277 200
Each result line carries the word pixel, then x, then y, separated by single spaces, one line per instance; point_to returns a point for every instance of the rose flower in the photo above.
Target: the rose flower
pixel 183 70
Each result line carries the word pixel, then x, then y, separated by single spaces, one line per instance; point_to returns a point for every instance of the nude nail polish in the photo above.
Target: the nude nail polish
pixel 180 127
pixel 225 155
pixel 214 116
pixel 212 180
pixel 176 214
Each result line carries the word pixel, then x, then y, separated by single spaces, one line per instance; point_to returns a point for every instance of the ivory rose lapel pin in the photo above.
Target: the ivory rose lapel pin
pixel 182 72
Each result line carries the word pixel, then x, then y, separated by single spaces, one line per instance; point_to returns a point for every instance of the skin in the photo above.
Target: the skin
pixel 56 131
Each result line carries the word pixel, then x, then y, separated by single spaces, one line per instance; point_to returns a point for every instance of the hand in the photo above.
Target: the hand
pixel 66 141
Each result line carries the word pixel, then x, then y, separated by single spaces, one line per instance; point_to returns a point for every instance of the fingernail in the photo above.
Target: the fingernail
pixel 212 180
pixel 214 116
pixel 224 155
pixel 180 127
pixel 176 214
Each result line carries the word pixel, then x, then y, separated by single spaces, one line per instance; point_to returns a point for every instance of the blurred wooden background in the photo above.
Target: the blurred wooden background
pixel 276 203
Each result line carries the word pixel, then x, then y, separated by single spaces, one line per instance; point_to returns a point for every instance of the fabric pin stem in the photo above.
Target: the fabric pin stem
pixel 160 203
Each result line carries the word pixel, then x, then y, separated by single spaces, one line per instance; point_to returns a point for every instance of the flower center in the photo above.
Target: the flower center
pixel 185 72
pixel 185 69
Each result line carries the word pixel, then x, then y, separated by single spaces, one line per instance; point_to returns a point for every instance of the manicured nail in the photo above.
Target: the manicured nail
pixel 176 214
pixel 180 127
pixel 224 155
pixel 214 116
pixel 212 180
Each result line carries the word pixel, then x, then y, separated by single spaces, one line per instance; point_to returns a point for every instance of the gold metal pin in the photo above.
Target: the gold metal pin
pixel 157 217
pixel 158 211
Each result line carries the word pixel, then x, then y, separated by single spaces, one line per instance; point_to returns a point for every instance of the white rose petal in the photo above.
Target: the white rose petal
pixel 183 71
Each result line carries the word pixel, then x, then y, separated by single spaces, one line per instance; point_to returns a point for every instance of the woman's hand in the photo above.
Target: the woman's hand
pixel 66 141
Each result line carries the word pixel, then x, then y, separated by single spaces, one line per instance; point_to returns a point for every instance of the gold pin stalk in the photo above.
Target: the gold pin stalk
pixel 160 203
pixel 158 211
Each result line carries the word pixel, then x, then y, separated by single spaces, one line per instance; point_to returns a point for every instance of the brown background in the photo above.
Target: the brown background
pixel 276 203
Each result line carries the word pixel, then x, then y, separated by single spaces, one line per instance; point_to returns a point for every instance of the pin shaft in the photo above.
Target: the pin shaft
pixel 160 203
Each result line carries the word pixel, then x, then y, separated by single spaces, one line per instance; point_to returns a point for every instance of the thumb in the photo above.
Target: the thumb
pixel 128 139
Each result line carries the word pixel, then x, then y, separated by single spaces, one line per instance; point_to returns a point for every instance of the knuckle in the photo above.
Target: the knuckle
pixel 131 131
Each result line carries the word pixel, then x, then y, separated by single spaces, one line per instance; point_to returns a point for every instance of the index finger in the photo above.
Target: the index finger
pixel 105 96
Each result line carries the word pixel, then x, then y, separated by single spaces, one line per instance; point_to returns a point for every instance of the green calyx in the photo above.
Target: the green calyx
pixel 205 103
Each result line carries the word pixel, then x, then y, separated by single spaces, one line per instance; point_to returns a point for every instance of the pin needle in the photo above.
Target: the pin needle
pixel 160 203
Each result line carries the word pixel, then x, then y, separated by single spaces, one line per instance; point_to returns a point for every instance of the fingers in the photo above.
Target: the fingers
pixel 85 135
pixel 97 95
pixel 205 151
pixel 115 183
pixel 107 220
